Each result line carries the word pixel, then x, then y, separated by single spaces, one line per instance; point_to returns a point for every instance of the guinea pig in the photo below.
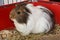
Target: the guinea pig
pixel 28 18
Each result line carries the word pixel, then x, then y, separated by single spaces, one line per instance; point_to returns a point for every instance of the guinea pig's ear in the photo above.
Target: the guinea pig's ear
pixel 17 5
pixel 23 3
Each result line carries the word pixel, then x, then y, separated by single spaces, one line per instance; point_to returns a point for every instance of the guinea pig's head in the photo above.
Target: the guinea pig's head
pixel 20 13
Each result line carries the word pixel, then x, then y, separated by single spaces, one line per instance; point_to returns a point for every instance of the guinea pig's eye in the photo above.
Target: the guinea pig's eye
pixel 18 12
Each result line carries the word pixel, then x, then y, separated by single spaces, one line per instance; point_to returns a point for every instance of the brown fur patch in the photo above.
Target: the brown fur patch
pixel 20 13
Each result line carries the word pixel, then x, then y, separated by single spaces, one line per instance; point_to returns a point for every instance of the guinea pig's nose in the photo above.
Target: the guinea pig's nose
pixel 12 16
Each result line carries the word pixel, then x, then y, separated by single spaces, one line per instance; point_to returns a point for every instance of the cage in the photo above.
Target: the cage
pixel 5 22
pixel 6 7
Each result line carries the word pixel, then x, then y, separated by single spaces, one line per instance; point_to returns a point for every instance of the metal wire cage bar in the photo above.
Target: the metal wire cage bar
pixel 5 2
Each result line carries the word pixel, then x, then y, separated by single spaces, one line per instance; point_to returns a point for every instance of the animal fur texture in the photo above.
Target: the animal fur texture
pixel 38 21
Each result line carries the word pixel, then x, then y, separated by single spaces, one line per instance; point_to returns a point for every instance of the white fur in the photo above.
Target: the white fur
pixel 38 22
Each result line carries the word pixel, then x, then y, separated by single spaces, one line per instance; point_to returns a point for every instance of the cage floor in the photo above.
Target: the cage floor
pixel 15 35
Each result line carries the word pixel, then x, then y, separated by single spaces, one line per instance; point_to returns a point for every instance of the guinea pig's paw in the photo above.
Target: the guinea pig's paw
pixel 24 34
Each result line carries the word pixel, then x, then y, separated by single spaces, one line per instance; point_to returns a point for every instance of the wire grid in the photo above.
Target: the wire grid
pixel 6 2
